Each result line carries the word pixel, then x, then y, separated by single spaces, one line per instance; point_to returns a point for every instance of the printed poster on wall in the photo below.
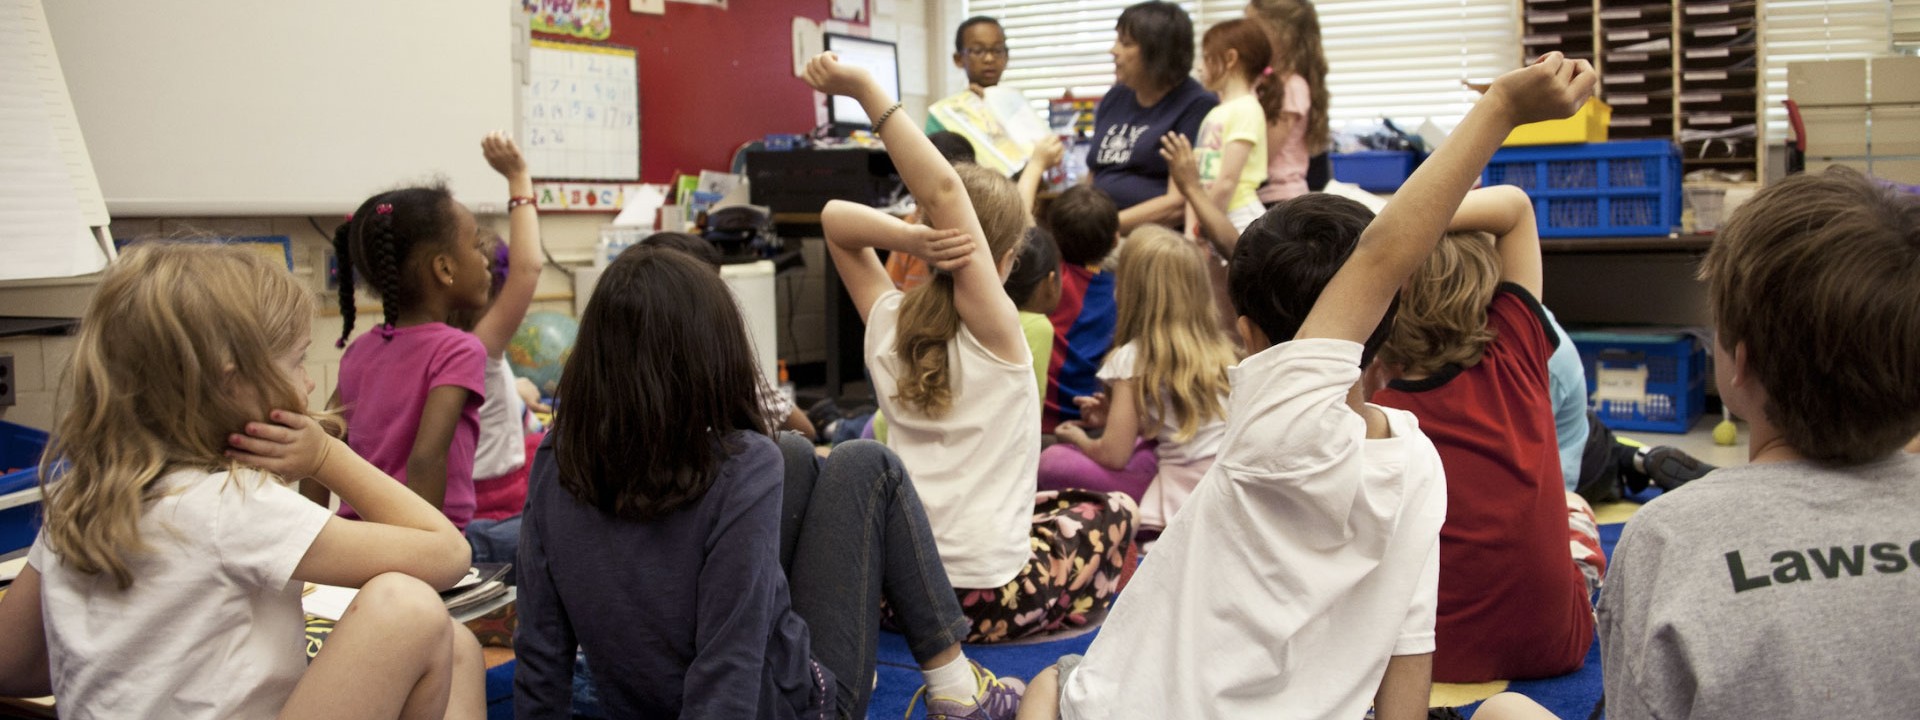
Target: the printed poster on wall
pixel 576 18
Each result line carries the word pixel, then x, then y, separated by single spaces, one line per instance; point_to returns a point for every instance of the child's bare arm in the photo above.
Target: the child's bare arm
pixel 1046 154
pixel 1164 209
pixel 983 305
pixel 1115 446
pixel 1405 689
pixel 854 231
pixel 1215 228
pixel 1507 212
pixel 1401 238
pixel 427 462
pixel 24 667
pixel 1233 161
pixel 524 257
pixel 402 533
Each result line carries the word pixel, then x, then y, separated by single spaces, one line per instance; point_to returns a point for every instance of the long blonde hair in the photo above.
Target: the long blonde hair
pixel 1443 313
pixel 175 353
pixel 928 319
pixel 1167 313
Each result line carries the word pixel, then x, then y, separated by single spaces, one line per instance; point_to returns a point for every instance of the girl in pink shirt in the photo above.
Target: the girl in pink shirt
pixel 411 389
pixel 1299 71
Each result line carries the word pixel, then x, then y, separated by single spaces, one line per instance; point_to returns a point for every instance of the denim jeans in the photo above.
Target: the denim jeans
pixel 853 532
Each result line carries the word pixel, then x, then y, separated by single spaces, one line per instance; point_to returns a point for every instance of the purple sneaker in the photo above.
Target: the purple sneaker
pixel 996 699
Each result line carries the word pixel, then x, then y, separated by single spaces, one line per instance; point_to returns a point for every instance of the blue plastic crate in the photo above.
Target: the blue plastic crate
pixel 20 448
pixel 1629 188
pixel 1375 170
pixel 1666 370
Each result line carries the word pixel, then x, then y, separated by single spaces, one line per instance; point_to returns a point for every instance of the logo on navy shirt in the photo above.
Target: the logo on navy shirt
pixel 1117 146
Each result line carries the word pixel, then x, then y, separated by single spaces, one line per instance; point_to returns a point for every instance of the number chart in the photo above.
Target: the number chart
pixel 582 107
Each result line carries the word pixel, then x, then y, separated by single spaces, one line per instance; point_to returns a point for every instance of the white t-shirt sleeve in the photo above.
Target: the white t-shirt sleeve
pixel 1119 364
pixel 1416 631
pixel 1288 416
pixel 262 528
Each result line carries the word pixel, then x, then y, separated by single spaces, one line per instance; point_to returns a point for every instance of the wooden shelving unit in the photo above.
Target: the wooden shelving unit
pixel 1688 71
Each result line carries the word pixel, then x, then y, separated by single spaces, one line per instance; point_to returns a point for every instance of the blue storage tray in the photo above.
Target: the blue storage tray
pixel 1629 188
pixel 20 449
pixel 1675 385
pixel 1375 170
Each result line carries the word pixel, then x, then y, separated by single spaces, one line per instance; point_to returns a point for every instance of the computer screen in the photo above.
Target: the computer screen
pixel 879 57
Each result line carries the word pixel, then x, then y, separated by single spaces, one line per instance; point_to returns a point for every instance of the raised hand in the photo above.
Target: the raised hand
pixel 826 74
pixel 289 444
pixel 1048 152
pixel 1554 87
pixel 1182 168
pixel 503 154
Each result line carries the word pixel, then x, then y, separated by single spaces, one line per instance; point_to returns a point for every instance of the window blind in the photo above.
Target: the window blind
pixel 1798 30
pixel 1906 23
pixel 1405 59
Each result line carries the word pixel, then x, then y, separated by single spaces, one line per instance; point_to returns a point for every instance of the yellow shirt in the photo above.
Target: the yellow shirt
pixel 1237 120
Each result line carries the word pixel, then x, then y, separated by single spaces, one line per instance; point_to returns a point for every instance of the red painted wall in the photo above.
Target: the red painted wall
pixel 711 79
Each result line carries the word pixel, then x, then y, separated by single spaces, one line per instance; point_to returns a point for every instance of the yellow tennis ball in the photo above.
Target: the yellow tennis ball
pixel 1725 433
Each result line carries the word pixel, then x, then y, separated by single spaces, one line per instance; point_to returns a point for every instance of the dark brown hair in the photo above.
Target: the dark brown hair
pixel 1286 258
pixel 1164 33
pixel 1084 222
pixel 1819 276
pixel 661 374
pixel 689 243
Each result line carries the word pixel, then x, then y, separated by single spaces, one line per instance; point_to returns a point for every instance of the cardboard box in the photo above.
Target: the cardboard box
pixel 1836 131
pixel 1896 131
pixel 1896 79
pixel 1817 83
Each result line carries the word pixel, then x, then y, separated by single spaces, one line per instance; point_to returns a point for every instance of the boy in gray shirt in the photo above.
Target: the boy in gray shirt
pixel 1785 588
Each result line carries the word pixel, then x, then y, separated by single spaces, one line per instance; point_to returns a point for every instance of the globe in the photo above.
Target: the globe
pixel 540 347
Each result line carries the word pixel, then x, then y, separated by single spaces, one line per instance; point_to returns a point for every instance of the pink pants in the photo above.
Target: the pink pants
pixel 1064 467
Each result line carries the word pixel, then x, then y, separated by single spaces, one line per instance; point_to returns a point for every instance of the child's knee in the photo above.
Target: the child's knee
pixel 403 605
pixel 466 647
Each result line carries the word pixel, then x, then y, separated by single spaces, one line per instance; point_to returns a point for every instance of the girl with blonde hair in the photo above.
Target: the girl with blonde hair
pixel 952 369
pixel 1166 381
pixel 166 581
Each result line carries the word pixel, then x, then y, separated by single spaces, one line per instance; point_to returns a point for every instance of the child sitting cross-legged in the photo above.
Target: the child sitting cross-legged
pixel 1471 347
pixel 1166 380
pixel 1299 580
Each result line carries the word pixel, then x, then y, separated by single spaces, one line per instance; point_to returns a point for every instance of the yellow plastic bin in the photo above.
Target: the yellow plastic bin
pixel 1587 125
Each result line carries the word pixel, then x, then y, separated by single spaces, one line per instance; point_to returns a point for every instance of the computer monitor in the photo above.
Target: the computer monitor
pixel 879 57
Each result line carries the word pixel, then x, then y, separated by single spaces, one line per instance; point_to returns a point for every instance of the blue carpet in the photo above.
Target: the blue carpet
pixel 1572 696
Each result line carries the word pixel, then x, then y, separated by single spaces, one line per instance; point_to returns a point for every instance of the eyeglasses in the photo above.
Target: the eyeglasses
pixel 982 53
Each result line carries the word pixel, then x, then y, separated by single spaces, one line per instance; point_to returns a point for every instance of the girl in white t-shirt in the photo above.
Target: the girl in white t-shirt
pixel 167 579
pixel 951 368
pixel 1166 380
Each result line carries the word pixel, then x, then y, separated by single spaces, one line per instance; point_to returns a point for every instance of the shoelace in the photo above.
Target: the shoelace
pixel 989 694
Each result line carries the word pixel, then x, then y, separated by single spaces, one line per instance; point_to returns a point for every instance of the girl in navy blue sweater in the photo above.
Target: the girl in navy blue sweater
pixel 706 569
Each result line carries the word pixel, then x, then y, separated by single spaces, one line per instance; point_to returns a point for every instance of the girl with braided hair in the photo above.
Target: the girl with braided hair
pixel 411 389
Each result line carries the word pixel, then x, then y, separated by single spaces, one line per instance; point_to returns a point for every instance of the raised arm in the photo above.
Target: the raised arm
pixel 854 231
pixel 524 256
pixel 1046 155
pixel 983 305
pixel 1404 234
pixel 1507 213
pixel 1215 228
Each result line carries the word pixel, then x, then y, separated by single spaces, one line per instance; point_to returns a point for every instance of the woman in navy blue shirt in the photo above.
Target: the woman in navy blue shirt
pixel 1153 94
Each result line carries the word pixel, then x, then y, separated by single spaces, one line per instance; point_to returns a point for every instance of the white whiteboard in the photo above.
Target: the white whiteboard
pixel 49 201
pixel 582 112
pixel 225 107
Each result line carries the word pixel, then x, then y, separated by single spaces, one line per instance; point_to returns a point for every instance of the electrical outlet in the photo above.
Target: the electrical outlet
pixel 6 379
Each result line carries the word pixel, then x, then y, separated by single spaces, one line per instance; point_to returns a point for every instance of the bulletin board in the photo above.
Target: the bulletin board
pixel 582 112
